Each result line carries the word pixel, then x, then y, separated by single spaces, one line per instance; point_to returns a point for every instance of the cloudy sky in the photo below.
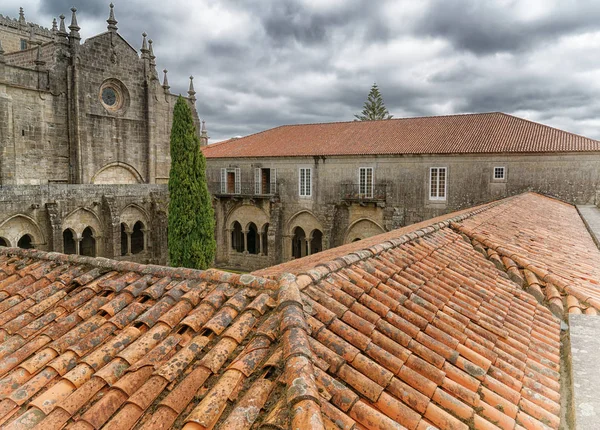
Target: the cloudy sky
pixel 262 63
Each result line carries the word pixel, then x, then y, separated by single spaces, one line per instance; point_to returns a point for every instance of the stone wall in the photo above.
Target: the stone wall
pixel 404 181
pixel 45 212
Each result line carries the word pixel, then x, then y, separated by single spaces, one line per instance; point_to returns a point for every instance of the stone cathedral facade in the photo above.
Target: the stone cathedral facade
pixel 84 141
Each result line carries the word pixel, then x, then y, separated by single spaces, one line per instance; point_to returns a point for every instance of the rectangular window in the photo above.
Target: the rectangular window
pixel 499 173
pixel 265 181
pixel 365 184
pixel 23 44
pixel 305 181
pixel 231 181
pixel 437 183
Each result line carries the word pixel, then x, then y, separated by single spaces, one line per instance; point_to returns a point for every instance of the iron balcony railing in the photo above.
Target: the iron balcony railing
pixel 242 189
pixel 363 192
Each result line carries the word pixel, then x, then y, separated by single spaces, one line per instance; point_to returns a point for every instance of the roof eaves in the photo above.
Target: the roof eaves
pixel 243 280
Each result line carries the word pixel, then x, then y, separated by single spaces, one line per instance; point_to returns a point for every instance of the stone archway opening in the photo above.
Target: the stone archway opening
pixel 299 248
pixel 137 238
pixel 264 239
pixel 4 242
pixel 25 242
pixel 237 237
pixel 88 243
pixel 316 241
pixel 253 239
pixel 69 244
pixel 124 240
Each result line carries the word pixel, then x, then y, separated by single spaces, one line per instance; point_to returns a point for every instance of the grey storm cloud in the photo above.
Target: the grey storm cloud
pixel 262 63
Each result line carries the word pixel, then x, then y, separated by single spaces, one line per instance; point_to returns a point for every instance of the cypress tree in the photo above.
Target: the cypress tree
pixel 374 108
pixel 191 215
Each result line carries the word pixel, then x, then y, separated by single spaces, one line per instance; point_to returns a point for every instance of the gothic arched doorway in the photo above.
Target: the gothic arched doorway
pixel 299 243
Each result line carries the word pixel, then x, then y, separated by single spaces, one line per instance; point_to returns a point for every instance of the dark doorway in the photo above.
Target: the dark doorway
pixel 253 239
pixel 265 181
pixel 299 243
pixel 237 237
pixel 137 238
pixel 88 243
pixel 25 242
pixel 230 182
pixel 316 244
pixel 124 247
pixel 69 246
pixel 3 242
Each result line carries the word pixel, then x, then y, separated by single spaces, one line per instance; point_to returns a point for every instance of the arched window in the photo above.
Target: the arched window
pixel 253 239
pixel 299 243
pixel 88 243
pixel 124 241
pixel 3 242
pixel 25 242
pixel 69 246
pixel 137 238
pixel 316 243
pixel 237 237
pixel 264 239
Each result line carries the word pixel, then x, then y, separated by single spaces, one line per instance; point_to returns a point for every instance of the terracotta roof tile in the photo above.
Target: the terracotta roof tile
pixel 470 133
pixel 424 331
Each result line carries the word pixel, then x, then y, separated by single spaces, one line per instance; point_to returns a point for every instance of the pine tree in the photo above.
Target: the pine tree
pixel 374 108
pixel 191 215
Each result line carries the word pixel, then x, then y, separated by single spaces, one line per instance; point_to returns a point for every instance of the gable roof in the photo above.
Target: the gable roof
pixel 418 329
pixel 454 134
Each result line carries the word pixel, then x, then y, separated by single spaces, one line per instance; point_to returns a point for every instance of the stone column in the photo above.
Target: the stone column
pixel 261 241
pixel 145 233
pixel 245 236
pixel 78 245
pixel 128 233
pixel 307 244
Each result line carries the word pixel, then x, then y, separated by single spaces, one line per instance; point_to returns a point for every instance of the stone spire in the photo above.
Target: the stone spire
pixel 191 91
pixel 62 31
pixel 165 84
pixel 22 22
pixel 54 26
pixel 203 134
pixel 151 53
pixel 144 49
pixel 112 22
pixel 74 27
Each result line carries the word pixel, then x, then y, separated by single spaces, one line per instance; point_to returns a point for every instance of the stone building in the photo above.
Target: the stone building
pixel 84 141
pixel 296 190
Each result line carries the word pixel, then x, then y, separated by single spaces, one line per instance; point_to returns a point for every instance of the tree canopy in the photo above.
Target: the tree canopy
pixel 374 108
pixel 191 215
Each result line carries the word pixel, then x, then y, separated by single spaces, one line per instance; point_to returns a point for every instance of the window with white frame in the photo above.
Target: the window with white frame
pixel 365 182
pixel 499 173
pixel 265 181
pixel 305 182
pixel 437 183
pixel 231 180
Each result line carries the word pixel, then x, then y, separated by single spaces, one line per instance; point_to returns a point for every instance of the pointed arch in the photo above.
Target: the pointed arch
pixel 81 218
pixel 362 229
pixel 17 226
pixel 117 173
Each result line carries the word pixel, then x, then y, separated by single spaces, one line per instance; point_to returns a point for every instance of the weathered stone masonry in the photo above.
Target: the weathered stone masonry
pixel 83 128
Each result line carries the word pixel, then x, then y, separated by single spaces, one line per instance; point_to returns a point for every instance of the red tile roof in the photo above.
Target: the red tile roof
pixel 420 329
pixel 545 246
pixel 455 134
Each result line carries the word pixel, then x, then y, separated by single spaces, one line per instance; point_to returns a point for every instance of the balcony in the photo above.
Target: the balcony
pixel 361 194
pixel 243 189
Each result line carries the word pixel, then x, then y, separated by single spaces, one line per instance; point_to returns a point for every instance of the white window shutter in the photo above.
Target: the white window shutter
pixel 223 181
pixel 257 184
pixel 273 181
pixel 238 180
